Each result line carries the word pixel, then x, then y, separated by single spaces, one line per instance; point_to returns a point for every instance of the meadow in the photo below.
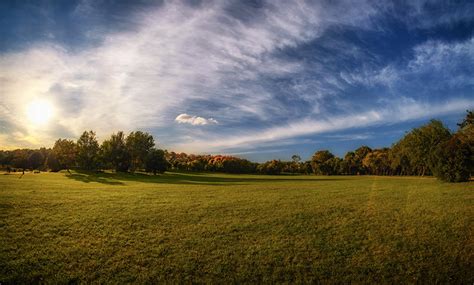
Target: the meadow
pixel 136 228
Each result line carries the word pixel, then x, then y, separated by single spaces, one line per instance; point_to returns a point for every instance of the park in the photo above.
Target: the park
pixel 236 142
pixel 208 227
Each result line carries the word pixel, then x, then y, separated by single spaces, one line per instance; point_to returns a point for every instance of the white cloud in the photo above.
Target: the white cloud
pixel 194 120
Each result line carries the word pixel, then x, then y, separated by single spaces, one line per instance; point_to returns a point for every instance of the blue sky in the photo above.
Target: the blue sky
pixel 258 79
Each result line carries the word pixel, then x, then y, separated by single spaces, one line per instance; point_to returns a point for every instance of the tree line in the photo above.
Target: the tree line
pixel 431 149
pixel 119 152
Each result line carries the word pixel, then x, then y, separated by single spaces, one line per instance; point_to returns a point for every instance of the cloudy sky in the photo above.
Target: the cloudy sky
pixel 258 79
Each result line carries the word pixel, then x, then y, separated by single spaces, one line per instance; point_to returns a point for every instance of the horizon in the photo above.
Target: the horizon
pixel 253 79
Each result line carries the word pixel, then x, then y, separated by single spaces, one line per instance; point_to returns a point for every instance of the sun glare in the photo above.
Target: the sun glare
pixel 39 112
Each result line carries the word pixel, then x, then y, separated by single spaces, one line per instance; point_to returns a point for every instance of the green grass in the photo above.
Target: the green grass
pixel 108 228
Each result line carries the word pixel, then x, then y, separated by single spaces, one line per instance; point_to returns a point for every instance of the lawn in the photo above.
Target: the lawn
pixel 116 228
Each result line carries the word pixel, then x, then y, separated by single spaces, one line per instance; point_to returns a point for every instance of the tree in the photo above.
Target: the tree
pixel 114 153
pixel 377 162
pixel 335 166
pixel 20 159
pixel 52 163
pixel 321 162
pixel 350 163
pixel 412 153
pixel 466 135
pixel 451 161
pixel 155 161
pixel 296 158
pixel 359 155
pixel 399 162
pixel 232 164
pixel 139 144
pixel 468 120
pixel 65 153
pixel 35 160
pixel 272 167
pixel 295 165
pixel 88 151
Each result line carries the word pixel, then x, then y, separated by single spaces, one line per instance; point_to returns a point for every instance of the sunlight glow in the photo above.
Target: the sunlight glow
pixel 39 111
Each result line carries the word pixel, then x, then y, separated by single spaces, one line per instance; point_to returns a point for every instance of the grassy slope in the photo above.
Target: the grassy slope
pixel 208 227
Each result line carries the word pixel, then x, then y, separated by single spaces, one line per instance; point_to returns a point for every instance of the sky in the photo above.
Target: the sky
pixel 257 79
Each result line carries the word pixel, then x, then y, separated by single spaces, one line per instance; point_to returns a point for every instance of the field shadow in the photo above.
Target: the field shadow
pixel 183 178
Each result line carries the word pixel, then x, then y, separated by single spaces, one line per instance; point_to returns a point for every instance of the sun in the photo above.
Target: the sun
pixel 39 111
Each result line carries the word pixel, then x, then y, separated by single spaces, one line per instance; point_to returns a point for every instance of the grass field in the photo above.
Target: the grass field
pixel 108 228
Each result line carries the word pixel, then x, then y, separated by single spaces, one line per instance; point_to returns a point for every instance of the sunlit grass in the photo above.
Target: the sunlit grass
pixel 60 227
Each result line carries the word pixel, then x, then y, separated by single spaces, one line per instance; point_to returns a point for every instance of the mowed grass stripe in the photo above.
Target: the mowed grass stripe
pixel 114 228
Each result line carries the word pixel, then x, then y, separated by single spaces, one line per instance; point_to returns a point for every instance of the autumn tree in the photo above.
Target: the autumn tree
pixel 272 167
pixel 359 155
pixel 321 162
pixel 377 162
pixel 335 165
pixel 350 163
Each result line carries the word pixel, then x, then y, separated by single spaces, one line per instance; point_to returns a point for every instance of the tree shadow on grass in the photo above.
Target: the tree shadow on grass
pixel 90 177
pixel 186 178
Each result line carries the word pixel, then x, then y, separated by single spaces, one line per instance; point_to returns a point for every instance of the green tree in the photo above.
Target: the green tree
pixel 65 153
pixel 155 161
pixel 114 153
pixel 414 151
pixel 139 144
pixel 88 151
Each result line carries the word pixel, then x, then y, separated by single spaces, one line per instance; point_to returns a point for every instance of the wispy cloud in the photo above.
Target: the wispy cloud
pixel 262 74
pixel 401 111
pixel 176 55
